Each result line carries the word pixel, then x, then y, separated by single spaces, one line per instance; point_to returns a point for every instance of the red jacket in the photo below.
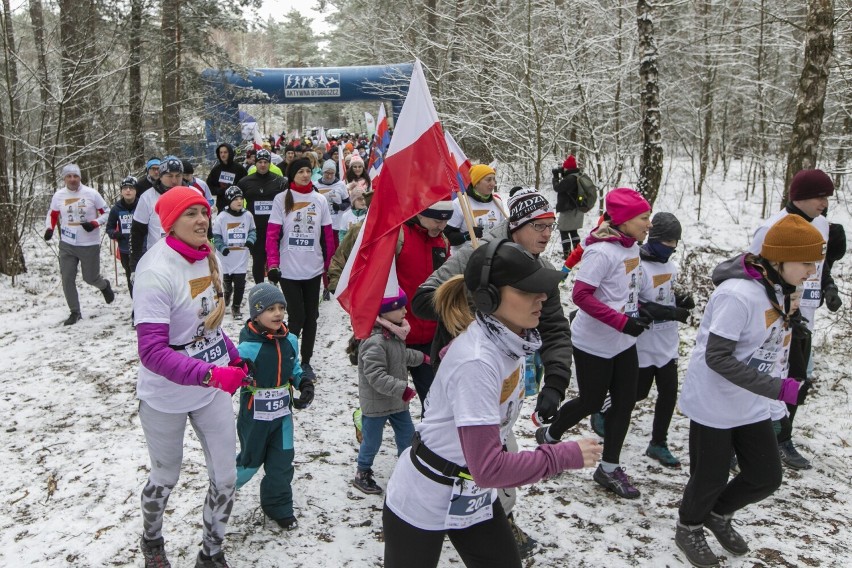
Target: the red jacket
pixel 418 258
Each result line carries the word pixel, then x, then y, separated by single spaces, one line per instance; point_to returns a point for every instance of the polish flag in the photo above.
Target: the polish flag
pixel 257 138
pixel 462 161
pixel 323 138
pixel 418 170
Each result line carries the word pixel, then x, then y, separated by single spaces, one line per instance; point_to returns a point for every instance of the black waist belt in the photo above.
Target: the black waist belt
pixel 448 471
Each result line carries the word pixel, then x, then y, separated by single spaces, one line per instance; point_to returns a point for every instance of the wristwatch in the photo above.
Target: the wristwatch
pixel 206 380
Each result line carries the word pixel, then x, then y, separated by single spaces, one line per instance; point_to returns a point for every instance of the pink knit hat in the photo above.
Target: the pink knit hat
pixel 355 159
pixel 624 203
pixel 391 303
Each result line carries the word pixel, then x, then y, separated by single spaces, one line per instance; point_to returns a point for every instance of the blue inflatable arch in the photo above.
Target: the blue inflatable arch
pixel 226 90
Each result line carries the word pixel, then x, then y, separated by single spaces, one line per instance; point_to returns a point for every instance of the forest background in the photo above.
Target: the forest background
pixel 622 84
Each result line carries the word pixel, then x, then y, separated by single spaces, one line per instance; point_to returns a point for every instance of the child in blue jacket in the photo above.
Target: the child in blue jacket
pixel 265 421
pixel 120 221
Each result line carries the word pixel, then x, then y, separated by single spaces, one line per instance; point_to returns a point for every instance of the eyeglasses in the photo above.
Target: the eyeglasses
pixel 541 227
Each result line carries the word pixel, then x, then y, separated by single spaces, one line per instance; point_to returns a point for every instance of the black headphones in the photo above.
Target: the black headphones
pixel 486 296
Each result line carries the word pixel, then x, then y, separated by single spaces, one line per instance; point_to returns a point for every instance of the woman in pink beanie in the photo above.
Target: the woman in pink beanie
pixel 189 369
pixel 605 330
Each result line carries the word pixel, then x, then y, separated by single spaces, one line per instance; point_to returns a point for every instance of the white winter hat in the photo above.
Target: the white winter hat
pixel 329 165
pixel 70 169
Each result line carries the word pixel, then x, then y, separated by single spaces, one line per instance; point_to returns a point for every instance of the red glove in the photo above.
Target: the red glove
pixel 427 360
pixel 408 394
pixel 228 379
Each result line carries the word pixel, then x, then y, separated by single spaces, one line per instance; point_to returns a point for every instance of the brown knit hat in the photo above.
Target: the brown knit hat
pixel 792 239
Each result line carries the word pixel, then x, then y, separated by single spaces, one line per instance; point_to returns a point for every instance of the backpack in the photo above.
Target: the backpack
pixel 587 192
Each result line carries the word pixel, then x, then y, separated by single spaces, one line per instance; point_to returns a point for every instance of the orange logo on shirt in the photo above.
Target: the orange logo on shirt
pixel 300 205
pixel 71 200
pixel 233 225
pixel 509 385
pixel 198 285
pixel 630 265
pixel 771 316
pixel 661 279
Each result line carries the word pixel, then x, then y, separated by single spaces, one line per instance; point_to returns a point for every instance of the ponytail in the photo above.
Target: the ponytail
pixel 288 202
pixel 450 301
pixel 214 319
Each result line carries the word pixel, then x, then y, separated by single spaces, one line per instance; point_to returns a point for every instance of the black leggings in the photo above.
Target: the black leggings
pixel 666 379
pixel 570 239
pixel 258 257
pixel 125 264
pixel 303 298
pixel 708 488
pixel 236 284
pixel 489 544
pixel 595 377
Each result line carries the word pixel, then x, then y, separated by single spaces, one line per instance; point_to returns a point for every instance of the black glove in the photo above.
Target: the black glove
pixel 225 252
pixel 635 326
pixel 832 298
pixel 547 404
pixel 326 295
pixel 48 234
pixel 478 232
pixel 88 226
pixel 250 246
pixel 306 395
pixel 274 275
pixel 680 314
pixel 804 387
pixel 685 301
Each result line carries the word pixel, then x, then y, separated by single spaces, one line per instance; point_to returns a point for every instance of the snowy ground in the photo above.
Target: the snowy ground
pixel 74 459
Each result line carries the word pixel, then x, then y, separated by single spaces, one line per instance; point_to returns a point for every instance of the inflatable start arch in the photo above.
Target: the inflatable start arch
pixel 226 90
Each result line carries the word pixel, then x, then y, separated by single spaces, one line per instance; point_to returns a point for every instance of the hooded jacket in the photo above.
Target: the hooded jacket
pixel 218 188
pixel 556 351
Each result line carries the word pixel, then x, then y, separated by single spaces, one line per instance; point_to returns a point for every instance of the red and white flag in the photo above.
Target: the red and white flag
pixel 417 171
pixel 380 145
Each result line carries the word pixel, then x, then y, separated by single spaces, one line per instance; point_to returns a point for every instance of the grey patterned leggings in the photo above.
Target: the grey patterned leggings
pixel 215 427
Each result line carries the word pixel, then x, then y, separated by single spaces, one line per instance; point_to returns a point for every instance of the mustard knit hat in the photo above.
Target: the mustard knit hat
pixel 792 239
pixel 478 172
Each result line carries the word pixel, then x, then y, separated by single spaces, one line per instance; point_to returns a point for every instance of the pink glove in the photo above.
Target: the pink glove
pixel 408 394
pixel 789 391
pixel 229 379
pixel 427 360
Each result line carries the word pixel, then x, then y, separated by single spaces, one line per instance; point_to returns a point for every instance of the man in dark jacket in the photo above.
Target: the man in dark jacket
pixel 259 189
pixel 152 174
pixel 224 174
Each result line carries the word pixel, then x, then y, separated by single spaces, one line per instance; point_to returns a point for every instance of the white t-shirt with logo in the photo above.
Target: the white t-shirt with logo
pixel 740 311
pixel 658 344
pixel 299 247
pixel 145 213
pixel 812 288
pixel 614 271
pixel 338 188
pixel 169 289
pixel 75 208
pixel 476 385
pixel 485 215
pixel 234 230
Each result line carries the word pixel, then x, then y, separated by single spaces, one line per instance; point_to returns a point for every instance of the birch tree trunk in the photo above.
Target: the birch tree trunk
pixel 43 78
pixel 810 104
pixel 651 162
pixel 134 80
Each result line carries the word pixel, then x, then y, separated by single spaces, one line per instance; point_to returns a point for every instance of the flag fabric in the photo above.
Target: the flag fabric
pixel 370 122
pixel 323 138
pixel 258 139
pixel 341 163
pixel 461 161
pixel 417 171
pixel 380 144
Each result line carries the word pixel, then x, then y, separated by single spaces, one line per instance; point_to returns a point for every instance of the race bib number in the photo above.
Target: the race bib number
pixel 262 207
pixel 811 294
pixel 270 404
pixel 211 350
pixel 469 505
pixel 300 242
pixel 227 178
pixel 237 238
pixel 768 356
pixel 68 234
pixel 126 222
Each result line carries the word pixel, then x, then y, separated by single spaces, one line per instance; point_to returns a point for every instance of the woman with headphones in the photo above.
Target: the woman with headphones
pixel 445 484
